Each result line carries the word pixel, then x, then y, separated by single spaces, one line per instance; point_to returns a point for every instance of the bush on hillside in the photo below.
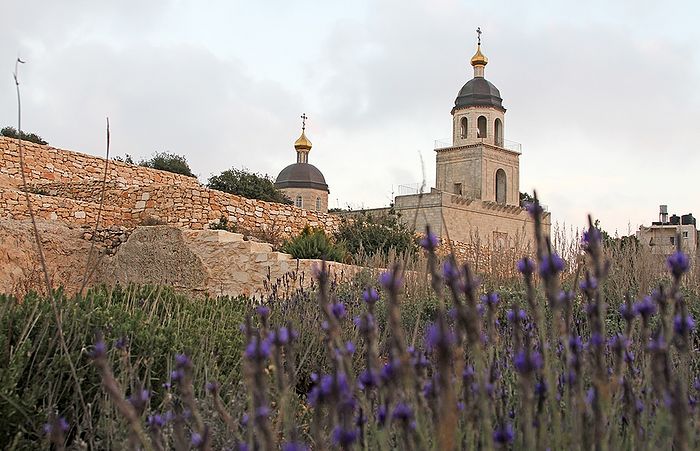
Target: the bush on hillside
pixel 247 184
pixel 11 132
pixel 314 243
pixel 371 235
pixel 170 162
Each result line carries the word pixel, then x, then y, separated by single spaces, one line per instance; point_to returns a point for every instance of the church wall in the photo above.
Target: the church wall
pixel 495 159
pixel 309 197
pixel 470 220
pixel 463 166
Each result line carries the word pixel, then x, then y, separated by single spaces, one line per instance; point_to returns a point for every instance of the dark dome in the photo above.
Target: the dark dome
pixel 301 175
pixel 479 92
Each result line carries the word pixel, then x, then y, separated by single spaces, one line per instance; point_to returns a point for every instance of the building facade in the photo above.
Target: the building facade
pixel 662 236
pixel 477 180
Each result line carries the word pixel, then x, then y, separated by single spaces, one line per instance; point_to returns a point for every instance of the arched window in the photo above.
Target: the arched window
pixel 481 127
pixel 498 132
pixel 318 204
pixel 463 128
pixel 501 186
pixel 299 202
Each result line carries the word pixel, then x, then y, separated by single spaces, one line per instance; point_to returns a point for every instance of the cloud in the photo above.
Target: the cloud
pixel 603 104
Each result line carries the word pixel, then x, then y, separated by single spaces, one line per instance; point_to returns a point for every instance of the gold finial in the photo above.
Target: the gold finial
pixel 303 142
pixel 479 59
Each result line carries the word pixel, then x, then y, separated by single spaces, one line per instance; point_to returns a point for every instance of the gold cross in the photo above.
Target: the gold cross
pixel 304 117
pixel 478 33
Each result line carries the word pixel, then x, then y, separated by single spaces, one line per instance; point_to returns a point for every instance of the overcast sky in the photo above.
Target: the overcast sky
pixel 603 95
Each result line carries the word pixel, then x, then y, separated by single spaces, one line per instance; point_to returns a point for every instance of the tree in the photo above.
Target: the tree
pixel 314 243
pixel 11 132
pixel 170 162
pixel 369 235
pixel 526 198
pixel 247 184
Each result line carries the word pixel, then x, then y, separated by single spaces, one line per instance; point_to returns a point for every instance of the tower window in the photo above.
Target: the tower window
pixel 498 132
pixel 458 189
pixel 463 128
pixel 501 186
pixel 299 202
pixel 672 239
pixel 481 127
pixel 318 204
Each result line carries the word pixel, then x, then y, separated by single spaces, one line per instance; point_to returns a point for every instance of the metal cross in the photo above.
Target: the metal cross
pixel 304 117
pixel 478 33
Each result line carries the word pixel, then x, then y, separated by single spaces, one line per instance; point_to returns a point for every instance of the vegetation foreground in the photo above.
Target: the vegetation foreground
pixel 373 364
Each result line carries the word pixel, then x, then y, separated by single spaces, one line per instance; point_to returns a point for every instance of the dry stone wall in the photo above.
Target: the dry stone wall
pixel 67 186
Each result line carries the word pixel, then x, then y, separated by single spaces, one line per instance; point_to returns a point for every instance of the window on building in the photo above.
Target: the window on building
pixel 458 188
pixel 672 239
pixel 498 132
pixel 318 204
pixel 481 127
pixel 463 128
pixel 685 234
pixel 501 185
pixel 299 202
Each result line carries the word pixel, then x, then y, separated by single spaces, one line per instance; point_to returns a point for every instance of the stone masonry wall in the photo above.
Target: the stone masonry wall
pixel 49 164
pixel 67 186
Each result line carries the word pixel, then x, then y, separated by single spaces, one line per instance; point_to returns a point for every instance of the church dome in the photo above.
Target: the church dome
pixel 479 92
pixel 301 175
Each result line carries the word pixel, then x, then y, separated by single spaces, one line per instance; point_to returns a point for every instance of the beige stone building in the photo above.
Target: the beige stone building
pixel 477 180
pixel 302 181
pixel 662 235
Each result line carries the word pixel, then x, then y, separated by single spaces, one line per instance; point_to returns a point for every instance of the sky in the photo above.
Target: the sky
pixel 602 95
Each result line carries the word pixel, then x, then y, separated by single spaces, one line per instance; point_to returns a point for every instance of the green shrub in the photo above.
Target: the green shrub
pixel 35 376
pixel 170 162
pixel 371 235
pixel 223 224
pixel 314 243
pixel 11 132
pixel 247 184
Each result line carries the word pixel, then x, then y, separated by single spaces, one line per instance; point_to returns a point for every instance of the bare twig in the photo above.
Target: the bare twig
pixel 88 264
pixel 42 259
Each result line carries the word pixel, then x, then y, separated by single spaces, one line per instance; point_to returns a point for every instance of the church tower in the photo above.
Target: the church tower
pixel 479 164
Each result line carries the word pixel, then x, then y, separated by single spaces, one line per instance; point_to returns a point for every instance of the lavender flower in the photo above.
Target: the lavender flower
pixel 338 310
pixel 503 434
pixel 59 425
pixel 491 300
pixel 645 308
pixel 430 241
pixel 526 362
pixel 344 437
pixel 99 349
pixel 551 265
pixel 678 263
pixel 628 312
pixel 121 343
pixel 683 324
pixel 263 311
pixel 197 440
pixel 295 446
pixel 370 296
pixel 526 266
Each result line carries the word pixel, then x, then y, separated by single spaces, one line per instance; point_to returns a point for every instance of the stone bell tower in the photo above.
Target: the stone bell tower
pixel 479 164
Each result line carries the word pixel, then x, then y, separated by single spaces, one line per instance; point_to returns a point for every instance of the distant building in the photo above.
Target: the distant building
pixel 661 236
pixel 302 181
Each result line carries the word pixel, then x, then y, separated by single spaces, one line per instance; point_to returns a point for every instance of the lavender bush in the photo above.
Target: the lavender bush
pixel 410 360
pixel 552 368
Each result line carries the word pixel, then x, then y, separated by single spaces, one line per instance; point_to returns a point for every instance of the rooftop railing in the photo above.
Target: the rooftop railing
pixel 505 144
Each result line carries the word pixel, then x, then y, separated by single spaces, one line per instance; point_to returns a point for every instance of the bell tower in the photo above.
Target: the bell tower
pixel 479 164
